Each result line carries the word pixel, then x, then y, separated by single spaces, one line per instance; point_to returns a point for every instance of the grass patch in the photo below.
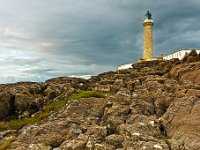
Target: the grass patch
pixel 19 123
pixel 6 144
pixel 82 94
pixel 47 109
pixel 87 94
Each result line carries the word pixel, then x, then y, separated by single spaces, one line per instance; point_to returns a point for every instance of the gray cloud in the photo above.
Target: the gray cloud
pixel 43 39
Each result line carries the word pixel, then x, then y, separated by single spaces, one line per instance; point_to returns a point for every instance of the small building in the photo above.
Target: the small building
pixel 125 66
pixel 179 54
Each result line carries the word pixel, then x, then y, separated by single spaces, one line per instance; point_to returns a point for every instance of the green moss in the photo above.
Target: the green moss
pixel 83 94
pixel 119 76
pixel 6 144
pixel 87 94
pixel 47 109
pixel 19 123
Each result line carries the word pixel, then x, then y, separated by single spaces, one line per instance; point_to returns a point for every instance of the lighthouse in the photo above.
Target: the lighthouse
pixel 148 37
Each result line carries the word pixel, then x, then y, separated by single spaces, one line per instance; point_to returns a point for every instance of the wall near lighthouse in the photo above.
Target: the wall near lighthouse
pixel 125 66
pixel 179 54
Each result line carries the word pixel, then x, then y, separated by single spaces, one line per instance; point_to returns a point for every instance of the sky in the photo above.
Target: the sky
pixel 42 39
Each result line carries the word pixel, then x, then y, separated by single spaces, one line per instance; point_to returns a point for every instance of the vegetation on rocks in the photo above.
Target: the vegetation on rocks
pixel 19 123
pixel 53 106
pixel 6 144
pixel 154 105
pixel 57 104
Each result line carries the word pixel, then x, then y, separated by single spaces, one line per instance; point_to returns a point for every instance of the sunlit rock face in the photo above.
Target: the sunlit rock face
pixel 153 105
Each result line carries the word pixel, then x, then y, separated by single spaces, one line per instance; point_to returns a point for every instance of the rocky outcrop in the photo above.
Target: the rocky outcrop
pixel 25 98
pixel 154 105
pixel 192 57
pixel 17 98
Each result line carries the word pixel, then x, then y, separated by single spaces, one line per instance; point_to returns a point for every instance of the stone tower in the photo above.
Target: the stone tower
pixel 148 37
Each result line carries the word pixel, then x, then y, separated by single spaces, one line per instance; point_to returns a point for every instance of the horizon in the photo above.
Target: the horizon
pixel 40 40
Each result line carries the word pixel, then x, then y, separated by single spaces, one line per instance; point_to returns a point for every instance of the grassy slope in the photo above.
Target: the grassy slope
pixel 47 109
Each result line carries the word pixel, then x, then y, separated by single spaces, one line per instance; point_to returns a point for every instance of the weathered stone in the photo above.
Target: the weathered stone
pixel 115 140
pixel 155 105
pixel 76 144
pixel 6 104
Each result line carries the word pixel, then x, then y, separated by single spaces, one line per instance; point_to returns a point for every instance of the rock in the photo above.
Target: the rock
pixel 76 144
pixel 191 57
pixel 115 140
pixel 152 145
pixel 181 120
pixel 6 104
pixel 186 71
pixel 39 147
pixel 22 102
pixel 154 105
pixel 102 131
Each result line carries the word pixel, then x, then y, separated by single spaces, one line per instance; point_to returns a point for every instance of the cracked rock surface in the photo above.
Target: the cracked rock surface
pixel 154 105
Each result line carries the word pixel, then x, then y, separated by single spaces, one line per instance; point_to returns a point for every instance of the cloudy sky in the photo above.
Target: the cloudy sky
pixel 41 39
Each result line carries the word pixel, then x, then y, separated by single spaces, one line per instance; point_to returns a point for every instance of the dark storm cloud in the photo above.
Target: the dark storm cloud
pixel 67 37
pixel 107 32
